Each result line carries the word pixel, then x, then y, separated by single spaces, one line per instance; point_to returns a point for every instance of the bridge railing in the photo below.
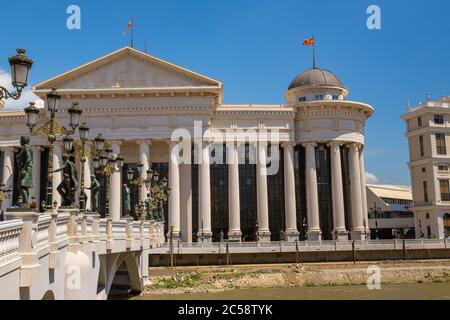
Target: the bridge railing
pixel 9 242
pixel 303 246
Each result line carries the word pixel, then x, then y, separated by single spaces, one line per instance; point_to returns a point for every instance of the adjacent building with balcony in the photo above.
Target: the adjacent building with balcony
pixel 390 216
pixel 428 133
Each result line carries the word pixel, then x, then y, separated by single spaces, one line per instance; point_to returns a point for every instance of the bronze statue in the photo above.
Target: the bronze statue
pixel 69 184
pixel 148 207
pixel 160 211
pixel 126 195
pixel 95 189
pixel 25 165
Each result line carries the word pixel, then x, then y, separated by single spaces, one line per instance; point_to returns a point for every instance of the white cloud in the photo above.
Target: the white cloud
pixel 27 95
pixel 371 178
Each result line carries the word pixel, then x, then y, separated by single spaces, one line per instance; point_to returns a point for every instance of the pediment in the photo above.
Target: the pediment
pixel 128 69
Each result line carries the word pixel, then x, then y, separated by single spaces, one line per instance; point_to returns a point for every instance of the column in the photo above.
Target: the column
pixel 36 190
pixel 115 188
pixel 56 177
pixel 144 158
pixel 340 231
pixel 8 175
pixel 186 202
pixel 87 177
pixel 365 210
pixel 312 202
pixel 174 185
pixel 204 193
pixel 358 229
pixel 292 233
pixel 262 199
pixel 234 233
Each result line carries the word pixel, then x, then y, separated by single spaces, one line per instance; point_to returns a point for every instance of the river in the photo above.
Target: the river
pixel 431 291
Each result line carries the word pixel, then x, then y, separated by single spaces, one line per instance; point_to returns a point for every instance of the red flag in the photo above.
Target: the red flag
pixel 309 42
pixel 128 28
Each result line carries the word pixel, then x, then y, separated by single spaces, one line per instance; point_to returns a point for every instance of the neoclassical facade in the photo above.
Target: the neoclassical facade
pixel 140 103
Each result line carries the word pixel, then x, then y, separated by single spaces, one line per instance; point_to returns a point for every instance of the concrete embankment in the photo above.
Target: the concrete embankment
pixel 216 279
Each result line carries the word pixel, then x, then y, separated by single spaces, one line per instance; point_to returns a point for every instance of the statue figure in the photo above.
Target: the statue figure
pixel 160 211
pixel 126 196
pixel 25 165
pixel 69 185
pixel 95 190
pixel 148 207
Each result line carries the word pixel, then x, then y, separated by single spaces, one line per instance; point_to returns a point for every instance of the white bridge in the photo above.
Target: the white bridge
pixel 67 256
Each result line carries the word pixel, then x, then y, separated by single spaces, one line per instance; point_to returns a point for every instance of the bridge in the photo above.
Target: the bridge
pixel 68 256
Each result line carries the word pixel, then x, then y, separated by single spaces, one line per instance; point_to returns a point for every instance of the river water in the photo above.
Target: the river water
pixel 432 291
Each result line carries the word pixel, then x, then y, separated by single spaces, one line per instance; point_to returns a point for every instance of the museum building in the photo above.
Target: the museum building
pixel 137 102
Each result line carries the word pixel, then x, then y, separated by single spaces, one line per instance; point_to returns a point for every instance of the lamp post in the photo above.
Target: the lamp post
pixel 20 68
pixel 375 211
pixel 106 164
pixel 84 136
pixel 51 130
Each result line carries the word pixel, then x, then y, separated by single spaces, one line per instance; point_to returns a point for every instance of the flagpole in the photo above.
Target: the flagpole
pixel 132 33
pixel 314 52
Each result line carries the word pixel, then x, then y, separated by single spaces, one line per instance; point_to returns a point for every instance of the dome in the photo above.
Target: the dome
pixel 316 77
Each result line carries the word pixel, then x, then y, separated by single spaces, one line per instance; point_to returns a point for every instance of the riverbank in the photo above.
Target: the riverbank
pixel 196 280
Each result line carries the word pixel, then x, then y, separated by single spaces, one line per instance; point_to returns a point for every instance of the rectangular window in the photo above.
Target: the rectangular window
pixel 422 150
pixel 425 192
pixel 424 170
pixel 335 98
pixel 319 97
pixel 443 167
pixel 445 190
pixel 302 99
pixel 419 122
pixel 438 119
pixel 441 147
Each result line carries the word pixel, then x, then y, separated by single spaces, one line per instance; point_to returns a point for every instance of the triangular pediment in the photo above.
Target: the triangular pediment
pixel 127 69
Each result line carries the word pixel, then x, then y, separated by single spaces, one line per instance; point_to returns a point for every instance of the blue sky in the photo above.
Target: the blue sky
pixel 253 47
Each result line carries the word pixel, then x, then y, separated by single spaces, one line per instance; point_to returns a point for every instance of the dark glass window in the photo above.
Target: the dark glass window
pixel 443 167
pixel 425 191
pixel 441 146
pixel 346 188
pixel 247 190
pixel 319 97
pixel 275 190
pixel 300 190
pixel 424 170
pixel 323 164
pixel 219 199
pixel 438 119
pixel 195 211
pixel 422 150
pixel 445 190
pixel 419 122
pixel 302 99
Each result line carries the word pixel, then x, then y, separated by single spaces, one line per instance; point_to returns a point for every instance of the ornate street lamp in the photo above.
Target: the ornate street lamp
pixel 51 130
pixel 84 136
pixel 99 143
pixel 20 68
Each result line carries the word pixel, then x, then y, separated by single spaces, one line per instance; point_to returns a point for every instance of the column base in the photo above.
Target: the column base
pixel 235 236
pixel 314 235
pixel 358 235
pixel 340 235
pixel 263 236
pixel 204 237
pixel 292 236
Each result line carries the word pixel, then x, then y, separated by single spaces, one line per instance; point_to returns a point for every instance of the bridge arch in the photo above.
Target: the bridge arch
pixel 49 295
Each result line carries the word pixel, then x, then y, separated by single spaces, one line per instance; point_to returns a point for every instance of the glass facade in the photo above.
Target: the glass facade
pixel 275 187
pixel 247 189
pixel 346 187
pixel 300 190
pixel 219 197
pixel 323 164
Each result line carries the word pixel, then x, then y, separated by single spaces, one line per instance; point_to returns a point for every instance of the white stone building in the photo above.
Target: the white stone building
pixel 137 101
pixel 428 133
